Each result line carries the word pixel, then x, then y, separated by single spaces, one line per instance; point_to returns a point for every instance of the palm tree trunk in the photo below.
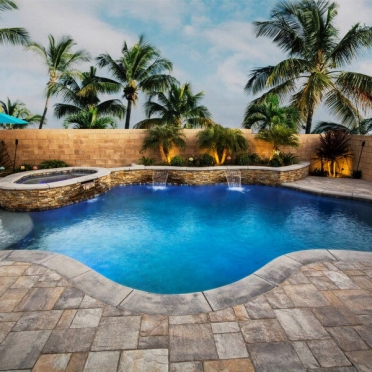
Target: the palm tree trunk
pixel 223 157
pixel 216 158
pixel 44 113
pixel 309 119
pixel 127 117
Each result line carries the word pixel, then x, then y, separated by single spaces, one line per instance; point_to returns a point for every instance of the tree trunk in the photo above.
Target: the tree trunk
pixel 309 119
pixel 44 113
pixel 216 158
pixel 127 117
pixel 223 158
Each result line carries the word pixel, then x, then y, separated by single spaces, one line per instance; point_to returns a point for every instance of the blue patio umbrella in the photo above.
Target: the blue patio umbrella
pixel 7 119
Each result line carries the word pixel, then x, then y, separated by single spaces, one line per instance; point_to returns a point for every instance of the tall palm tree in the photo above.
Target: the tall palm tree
pixel 19 110
pixel 262 115
pixel 164 138
pixel 313 73
pixel 16 35
pixel 141 68
pixel 364 127
pixel 179 107
pixel 60 61
pixel 89 119
pixel 81 96
pixel 221 141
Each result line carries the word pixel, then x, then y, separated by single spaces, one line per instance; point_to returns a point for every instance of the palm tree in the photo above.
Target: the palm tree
pixel 262 115
pixel 60 60
pixel 164 138
pixel 139 69
pixel 89 119
pixel 279 135
pixel 179 107
pixel 313 73
pixel 84 96
pixel 19 110
pixel 12 35
pixel 364 127
pixel 221 141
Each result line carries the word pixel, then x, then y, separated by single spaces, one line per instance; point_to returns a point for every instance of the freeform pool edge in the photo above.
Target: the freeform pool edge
pixel 244 290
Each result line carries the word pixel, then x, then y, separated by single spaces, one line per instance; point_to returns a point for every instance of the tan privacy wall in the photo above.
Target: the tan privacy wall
pixel 119 147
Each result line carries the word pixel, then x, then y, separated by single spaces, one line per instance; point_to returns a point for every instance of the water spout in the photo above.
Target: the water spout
pixel 234 179
pixel 159 179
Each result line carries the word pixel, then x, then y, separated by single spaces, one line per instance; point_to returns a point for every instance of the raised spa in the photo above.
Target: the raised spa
pixel 55 176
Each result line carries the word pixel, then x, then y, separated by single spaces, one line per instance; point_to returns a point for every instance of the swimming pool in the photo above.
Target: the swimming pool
pixel 192 238
pixel 53 176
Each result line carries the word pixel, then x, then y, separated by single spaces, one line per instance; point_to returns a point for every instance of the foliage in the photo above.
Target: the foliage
pixel 145 160
pixel 164 138
pixel 319 172
pixel 363 127
pixel 81 94
pixel 19 110
pixel 357 174
pixel 221 141
pixel 89 119
pixel 313 71
pixel 203 160
pixel 141 68
pixel 177 161
pixel 53 163
pixel 24 168
pixel 279 135
pixel 248 159
pixel 333 146
pixel 12 36
pixel 5 160
pixel 283 159
pixel 262 115
pixel 288 158
pixel 60 60
pixel 179 107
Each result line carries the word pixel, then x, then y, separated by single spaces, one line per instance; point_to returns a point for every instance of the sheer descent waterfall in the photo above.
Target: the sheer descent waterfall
pixel 159 178
pixel 234 178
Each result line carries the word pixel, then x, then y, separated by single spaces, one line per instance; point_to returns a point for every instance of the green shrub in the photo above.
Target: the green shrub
pixel 248 159
pixel 54 163
pixel 177 161
pixel 205 160
pixel 146 161
pixel 357 174
pixel 289 158
pixel 26 167
pixel 319 173
pixel 276 161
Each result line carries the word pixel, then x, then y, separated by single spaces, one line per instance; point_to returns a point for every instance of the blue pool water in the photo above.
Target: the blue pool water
pixel 184 239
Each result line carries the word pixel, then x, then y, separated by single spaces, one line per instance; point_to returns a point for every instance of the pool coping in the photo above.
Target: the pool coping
pixel 261 281
pixel 8 183
pixel 326 192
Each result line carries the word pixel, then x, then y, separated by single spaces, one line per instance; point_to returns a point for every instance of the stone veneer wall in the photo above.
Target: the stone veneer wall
pixel 210 176
pixel 44 199
pixel 119 147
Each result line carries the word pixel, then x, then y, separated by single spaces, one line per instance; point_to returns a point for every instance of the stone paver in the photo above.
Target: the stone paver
pixel 319 319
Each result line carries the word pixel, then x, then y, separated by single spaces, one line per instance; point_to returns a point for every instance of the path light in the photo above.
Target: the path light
pixel 15 154
pixel 357 173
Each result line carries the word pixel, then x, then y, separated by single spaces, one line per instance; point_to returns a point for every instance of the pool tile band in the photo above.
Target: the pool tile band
pixel 244 290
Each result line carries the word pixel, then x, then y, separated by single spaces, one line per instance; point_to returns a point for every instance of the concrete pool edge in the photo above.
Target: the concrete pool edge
pixel 260 282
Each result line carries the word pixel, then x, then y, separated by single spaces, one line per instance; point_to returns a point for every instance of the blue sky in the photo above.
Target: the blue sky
pixel 210 42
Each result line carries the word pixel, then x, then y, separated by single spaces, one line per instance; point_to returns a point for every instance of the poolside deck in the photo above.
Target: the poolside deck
pixel 318 318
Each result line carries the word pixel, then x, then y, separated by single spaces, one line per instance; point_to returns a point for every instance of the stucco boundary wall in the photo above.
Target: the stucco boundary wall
pixel 111 148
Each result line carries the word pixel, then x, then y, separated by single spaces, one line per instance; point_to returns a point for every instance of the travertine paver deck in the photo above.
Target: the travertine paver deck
pixel 318 319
